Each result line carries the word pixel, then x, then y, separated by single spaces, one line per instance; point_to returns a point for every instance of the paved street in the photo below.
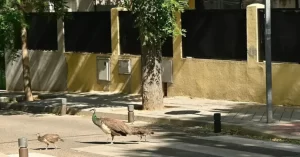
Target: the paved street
pixel 83 139
pixel 249 116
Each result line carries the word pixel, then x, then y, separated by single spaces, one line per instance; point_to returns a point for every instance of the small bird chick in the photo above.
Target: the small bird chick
pixel 49 138
pixel 141 131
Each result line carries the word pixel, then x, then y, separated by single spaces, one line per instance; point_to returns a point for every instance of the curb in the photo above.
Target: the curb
pixel 173 121
pixel 21 98
pixel 54 108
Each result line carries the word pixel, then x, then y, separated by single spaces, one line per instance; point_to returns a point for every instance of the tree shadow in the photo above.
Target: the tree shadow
pixel 173 141
pixel 12 113
pixel 52 79
pixel 76 102
pixel 108 143
pixel 182 112
pixel 181 143
pixel 45 149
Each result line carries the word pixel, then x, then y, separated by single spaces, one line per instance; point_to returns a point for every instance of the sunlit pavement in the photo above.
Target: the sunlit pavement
pixel 84 139
pixel 250 116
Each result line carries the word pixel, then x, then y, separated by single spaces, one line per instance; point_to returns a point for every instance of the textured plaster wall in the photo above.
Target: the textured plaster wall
pixel 48 69
pixel 213 79
pixel 82 74
pixel 285 79
pixel 210 79
pixel 82 68
pixel 48 72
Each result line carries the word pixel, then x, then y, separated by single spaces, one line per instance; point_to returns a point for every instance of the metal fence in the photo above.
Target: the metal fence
pixel 129 37
pixel 2 79
pixel 215 34
pixel 285 35
pixel 88 32
pixel 41 32
pixel 2 73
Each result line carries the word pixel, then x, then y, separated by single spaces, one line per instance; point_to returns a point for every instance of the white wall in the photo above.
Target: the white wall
pixel 89 5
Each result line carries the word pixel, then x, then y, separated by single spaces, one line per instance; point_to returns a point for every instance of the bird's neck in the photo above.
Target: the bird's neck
pixel 94 117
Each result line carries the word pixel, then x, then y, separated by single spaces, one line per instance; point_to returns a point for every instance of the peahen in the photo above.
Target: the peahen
pixel 140 131
pixel 49 138
pixel 112 127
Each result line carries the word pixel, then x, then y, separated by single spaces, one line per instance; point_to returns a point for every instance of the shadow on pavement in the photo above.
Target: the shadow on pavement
pixel 45 149
pixel 108 143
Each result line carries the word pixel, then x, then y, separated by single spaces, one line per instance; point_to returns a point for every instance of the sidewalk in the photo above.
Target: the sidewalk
pixel 249 117
pixel 2 155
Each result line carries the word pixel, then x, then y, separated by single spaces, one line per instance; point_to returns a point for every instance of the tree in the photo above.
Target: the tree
pixel 156 21
pixel 12 13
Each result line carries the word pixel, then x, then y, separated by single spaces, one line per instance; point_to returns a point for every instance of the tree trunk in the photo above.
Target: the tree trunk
pixel 26 67
pixel 152 93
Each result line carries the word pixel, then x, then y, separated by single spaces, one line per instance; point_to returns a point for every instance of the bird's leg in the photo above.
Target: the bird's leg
pixel 112 139
pixel 55 145
pixel 47 146
pixel 145 138
pixel 107 140
pixel 141 137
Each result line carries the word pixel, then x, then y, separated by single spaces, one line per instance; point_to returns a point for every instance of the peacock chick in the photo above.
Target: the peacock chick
pixel 49 138
pixel 111 127
pixel 141 131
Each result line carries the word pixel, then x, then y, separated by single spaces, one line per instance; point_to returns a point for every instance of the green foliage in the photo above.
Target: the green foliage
pixel 156 19
pixel 12 15
pixel 59 6
pixel 9 17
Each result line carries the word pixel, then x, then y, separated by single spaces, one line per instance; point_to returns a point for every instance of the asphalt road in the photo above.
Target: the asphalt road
pixel 84 139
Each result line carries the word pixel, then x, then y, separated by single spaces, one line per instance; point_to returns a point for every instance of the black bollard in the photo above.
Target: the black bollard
pixel 217 122
pixel 130 113
pixel 23 150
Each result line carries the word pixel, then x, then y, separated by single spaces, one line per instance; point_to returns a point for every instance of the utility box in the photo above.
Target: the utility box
pixel 167 71
pixel 124 66
pixel 103 69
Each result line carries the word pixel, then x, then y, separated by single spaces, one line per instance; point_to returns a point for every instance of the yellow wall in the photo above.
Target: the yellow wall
pixel 82 74
pixel 212 79
pixel 192 4
pixel 82 68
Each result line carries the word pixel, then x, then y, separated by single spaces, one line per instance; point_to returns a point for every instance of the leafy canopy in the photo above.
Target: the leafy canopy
pixel 156 19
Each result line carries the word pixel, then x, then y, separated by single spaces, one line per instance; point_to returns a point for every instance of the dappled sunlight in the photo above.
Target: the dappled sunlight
pixel 187 139
pixel 82 72
pixel 286 83
pixel 173 144
pixel 14 78
pixel 82 65
pixel 48 72
pixel 287 128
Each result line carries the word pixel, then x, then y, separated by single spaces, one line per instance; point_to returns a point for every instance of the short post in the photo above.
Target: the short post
pixel 63 110
pixel 23 150
pixel 217 122
pixel 130 113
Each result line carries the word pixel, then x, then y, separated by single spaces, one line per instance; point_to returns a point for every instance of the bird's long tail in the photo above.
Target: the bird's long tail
pixel 61 139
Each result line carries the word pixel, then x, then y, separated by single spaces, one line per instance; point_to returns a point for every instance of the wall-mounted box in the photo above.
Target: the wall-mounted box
pixel 103 69
pixel 167 71
pixel 124 66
